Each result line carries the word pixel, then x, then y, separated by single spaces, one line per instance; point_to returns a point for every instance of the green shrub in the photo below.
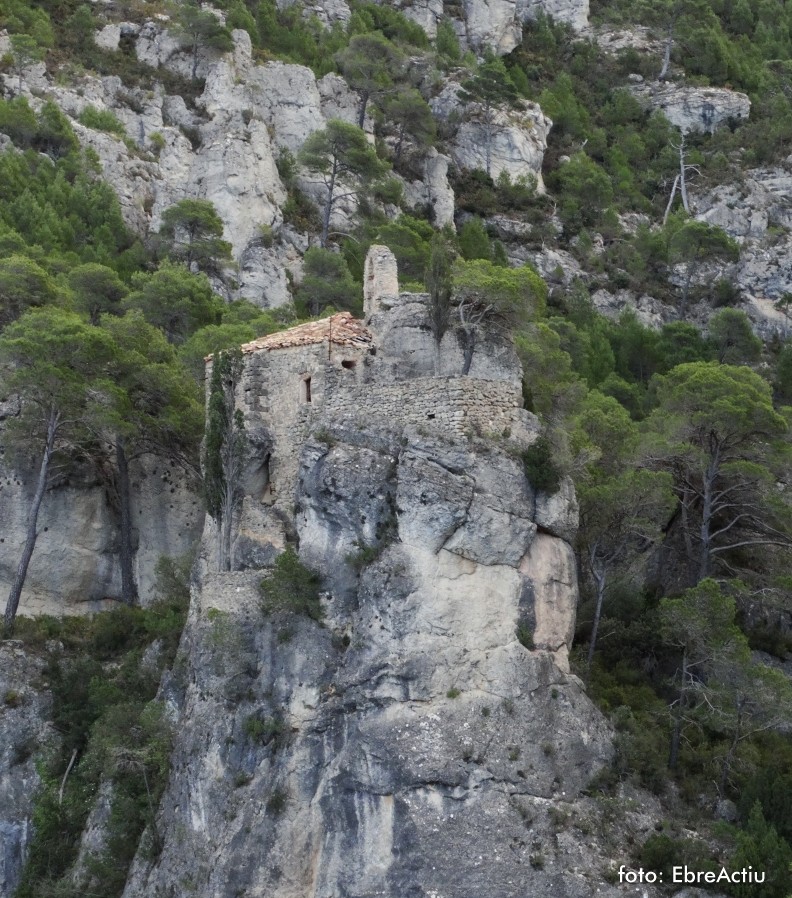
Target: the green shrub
pixel 266 235
pixel 447 42
pixel 287 167
pixel 300 212
pixel 276 803
pixel 112 730
pixel 291 586
pixel 525 636
pixel 540 467
pixel 474 241
pixel 157 142
pixel 101 120
pixel 661 852
pixel 265 730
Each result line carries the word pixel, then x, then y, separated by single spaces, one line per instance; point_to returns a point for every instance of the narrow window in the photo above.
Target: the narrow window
pixel 349 364
pixel 431 416
pixel 306 389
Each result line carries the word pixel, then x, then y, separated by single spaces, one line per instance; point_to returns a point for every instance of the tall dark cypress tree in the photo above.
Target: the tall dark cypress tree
pixel 225 450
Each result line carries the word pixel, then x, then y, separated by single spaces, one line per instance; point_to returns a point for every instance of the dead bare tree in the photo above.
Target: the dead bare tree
pixel 680 181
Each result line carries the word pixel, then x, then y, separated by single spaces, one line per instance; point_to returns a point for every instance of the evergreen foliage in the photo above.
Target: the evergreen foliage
pixel 195 231
pixel 225 451
pixel 105 712
pixel 292 587
pixel 677 439
pixel 346 161
pixel 327 283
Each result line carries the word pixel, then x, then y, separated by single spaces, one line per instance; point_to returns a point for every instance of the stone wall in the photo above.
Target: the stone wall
pixel 455 404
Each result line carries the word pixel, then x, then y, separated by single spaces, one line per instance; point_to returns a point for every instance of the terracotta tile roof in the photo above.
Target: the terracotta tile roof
pixel 342 329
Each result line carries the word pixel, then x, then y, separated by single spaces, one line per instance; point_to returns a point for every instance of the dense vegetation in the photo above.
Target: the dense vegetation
pixel 114 738
pixel 677 440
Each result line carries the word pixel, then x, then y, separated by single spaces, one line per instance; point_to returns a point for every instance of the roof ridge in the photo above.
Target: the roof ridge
pixel 342 329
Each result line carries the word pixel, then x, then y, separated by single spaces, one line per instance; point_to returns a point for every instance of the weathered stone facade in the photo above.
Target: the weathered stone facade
pixel 458 405
pixel 382 372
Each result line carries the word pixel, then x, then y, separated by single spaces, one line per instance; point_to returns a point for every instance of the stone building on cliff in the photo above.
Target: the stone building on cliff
pixel 419 728
pixel 383 371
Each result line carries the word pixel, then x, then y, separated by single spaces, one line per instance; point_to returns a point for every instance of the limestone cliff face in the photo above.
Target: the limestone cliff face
pixel 24 733
pixel 518 137
pixel 692 108
pixel 497 24
pixel 411 745
pixel 75 566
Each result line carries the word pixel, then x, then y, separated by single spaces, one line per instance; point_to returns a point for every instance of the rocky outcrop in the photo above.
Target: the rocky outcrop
pixel 649 311
pixel 497 24
pixel 433 190
pixel 638 37
pixel 757 212
pixel 24 733
pixel 492 24
pixel 572 12
pixel 426 13
pixel 693 108
pixel 413 743
pixel 517 137
pixel 75 567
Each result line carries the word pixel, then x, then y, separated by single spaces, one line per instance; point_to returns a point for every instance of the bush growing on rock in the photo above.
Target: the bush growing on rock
pixel 292 587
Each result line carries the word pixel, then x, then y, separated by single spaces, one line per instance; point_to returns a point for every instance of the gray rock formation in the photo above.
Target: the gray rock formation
pixel 433 190
pixel 573 12
pixel 497 24
pixel 411 745
pixel 519 136
pixel 693 108
pixel 75 567
pixel 757 212
pixel 650 312
pixel 492 24
pixel 23 734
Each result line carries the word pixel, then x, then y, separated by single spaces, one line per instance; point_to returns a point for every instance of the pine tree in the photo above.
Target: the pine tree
pixel 340 153
pixel 54 363
pixel 370 64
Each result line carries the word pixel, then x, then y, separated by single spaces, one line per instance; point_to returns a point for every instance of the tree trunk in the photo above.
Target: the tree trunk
pixel 683 505
pixel 600 580
pixel 364 98
pixel 227 524
pixel 676 735
pixel 488 124
pixel 667 54
pixel 12 604
pixel 682 181
pixel 129 591
pixel 470 346
pixel 727 761
pixel 329 204
pixel 706 519
pixel 670 200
